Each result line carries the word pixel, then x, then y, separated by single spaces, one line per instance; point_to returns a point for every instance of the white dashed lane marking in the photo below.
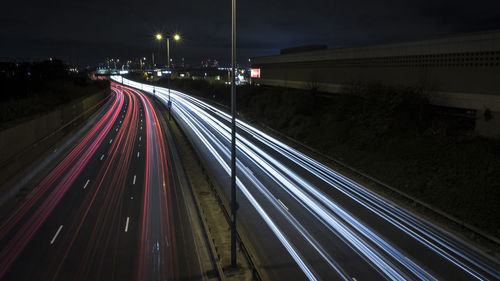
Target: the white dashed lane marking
pixel 283 204
pixel 55 236
pixel 126 224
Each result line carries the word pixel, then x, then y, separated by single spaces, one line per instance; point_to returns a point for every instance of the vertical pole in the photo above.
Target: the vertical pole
pixel 233 135
pixel 153 60
pixel 169 74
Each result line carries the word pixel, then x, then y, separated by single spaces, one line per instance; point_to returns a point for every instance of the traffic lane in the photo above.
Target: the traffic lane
pixel 327 252
pixel 190 267
pixel 44 189
pixel 105 241
pixel 386 230
pixel 23 223
pixel 59 232
pixel 129 250
pixel 167 232
pixel 106 248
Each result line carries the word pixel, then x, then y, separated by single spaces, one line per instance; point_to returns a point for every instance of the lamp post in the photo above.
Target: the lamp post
pixel 234 204
pixel 176 37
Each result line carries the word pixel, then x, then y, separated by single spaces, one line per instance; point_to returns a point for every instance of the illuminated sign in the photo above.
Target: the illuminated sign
pixel 255 72
pixel 158 73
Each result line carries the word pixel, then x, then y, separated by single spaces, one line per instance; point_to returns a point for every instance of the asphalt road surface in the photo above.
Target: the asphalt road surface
pixel 110 210
pixel 309 222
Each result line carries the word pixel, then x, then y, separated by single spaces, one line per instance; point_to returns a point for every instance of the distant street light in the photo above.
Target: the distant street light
pixel 176 37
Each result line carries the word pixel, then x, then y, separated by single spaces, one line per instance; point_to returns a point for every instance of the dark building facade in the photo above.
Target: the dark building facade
pixel 458 72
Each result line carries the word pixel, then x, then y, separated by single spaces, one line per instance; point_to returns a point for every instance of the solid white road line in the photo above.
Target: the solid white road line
pixel 134 180
pixel 86 184
pixel 55 236
pixel 126 225
pixel 102 157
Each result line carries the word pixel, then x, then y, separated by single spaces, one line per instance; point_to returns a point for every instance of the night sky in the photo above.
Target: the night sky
pixel 87 32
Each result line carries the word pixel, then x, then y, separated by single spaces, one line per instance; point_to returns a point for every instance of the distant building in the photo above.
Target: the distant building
pixel 210 74
pixel 210 63
pixel 458 72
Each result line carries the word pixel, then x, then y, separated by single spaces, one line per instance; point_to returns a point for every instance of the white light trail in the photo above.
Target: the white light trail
pixel 210 126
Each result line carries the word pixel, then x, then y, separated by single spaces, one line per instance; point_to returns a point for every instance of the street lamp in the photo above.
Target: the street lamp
pixel 176 37
pixel 234 204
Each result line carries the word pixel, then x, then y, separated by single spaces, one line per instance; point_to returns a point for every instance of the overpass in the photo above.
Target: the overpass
pixel 460 71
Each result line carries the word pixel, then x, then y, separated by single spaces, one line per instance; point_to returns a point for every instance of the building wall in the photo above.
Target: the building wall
pixel 447 79
pixel 460 71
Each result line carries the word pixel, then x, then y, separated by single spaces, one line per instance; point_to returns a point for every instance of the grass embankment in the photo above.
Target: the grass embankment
pixel 390 134
pixel 45 97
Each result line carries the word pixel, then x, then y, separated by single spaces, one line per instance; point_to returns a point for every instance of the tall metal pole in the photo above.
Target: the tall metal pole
pixel 169 74
pixel 234 205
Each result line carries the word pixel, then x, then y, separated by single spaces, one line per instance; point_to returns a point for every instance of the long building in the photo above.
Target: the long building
pixel 461 72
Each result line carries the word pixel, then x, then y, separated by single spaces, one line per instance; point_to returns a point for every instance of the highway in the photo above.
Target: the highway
pixel 112 208
pixel 306 221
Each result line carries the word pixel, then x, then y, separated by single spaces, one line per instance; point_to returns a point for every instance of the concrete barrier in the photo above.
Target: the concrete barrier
pixel 27 141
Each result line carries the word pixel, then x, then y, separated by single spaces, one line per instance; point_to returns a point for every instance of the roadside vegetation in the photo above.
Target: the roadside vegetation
pixel 392 134
pixel 29 89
